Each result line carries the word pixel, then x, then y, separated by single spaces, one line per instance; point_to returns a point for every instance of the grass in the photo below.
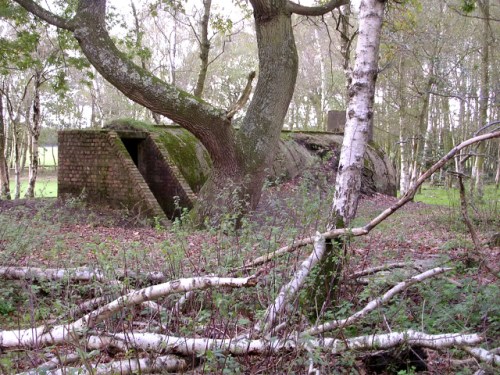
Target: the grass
pixel 46 186
pixel 451 197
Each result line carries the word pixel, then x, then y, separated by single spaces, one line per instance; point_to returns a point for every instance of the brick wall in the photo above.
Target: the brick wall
pixel 96 165
pixel 163 177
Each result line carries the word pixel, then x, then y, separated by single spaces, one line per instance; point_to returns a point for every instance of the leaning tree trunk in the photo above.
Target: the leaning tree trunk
pixel 34 135
pixel 361 93
pixel 4 171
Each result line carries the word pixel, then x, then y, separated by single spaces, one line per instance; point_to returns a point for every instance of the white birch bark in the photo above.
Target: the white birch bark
pixel 290 290
pixel 47 335
pixel 243 346
pixel 359 113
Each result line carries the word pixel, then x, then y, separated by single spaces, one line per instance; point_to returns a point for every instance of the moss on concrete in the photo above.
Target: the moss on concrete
pixel 186 152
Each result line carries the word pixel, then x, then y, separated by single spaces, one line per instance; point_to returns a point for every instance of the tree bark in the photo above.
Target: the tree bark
pixel 359 114
pixel 204 49
pixel 4 171
pixel 361 93
pixel 239 157
pixel 484 6
pixel 34 135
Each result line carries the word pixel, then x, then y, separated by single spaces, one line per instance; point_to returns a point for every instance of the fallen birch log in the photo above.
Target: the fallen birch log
pixel 47 335
pixel 187 346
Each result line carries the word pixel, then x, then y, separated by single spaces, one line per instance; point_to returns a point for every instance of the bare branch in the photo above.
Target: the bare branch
pixel 484 355
pixel 168 363
pixel 373 270
pixel 46 335
pixel 75 274
pixel 372 305
pixel 47 16
pixel 243 99
pixel 316 10
pixel 243 346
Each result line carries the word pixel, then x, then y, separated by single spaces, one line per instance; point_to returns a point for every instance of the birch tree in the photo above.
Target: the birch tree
pixel 4 171
pixel 361 94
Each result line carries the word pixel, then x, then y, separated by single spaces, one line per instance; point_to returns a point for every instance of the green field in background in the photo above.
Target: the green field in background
pixel 451 196
pixel 45 187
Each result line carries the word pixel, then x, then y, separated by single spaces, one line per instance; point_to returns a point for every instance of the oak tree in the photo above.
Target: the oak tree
pixel 239 156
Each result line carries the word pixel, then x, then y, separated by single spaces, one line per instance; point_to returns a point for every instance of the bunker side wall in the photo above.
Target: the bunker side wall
pixel 95 165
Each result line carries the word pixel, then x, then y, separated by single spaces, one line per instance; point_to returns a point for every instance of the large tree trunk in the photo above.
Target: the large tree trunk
pixel 239 157
pixel 235 184
pixel 4 171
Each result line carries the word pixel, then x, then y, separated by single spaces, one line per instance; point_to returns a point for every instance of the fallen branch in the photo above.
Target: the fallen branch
pixel 372 305
pixel 374 270
pixel 54 363
pixel 484 355
pixel 290 290
pixel 84 274
pixel 74 274
pixel 243 346
pixel 168 363
pixel 47 335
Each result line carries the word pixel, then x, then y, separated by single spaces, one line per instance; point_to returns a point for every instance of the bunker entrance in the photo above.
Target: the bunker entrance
pixel 132 145
pixel 157 173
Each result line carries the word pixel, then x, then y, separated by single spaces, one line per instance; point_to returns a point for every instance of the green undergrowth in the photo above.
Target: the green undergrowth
pixel 51 233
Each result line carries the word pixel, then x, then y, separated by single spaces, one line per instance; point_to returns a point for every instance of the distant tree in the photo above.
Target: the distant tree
pixel 4 171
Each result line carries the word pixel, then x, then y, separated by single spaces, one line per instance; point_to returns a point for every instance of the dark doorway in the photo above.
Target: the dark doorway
pixel 132 146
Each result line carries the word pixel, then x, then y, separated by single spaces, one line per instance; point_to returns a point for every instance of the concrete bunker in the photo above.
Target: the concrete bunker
pixel 156 171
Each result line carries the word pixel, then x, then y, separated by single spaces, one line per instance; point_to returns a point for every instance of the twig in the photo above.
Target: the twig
pixel 372 305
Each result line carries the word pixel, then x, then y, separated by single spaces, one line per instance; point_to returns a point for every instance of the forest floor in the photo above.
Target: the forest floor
pixel 51 233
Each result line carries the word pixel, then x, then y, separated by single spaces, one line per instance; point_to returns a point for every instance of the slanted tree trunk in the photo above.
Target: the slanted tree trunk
pixel 239 157
pixel 4 171
pixel 34 135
